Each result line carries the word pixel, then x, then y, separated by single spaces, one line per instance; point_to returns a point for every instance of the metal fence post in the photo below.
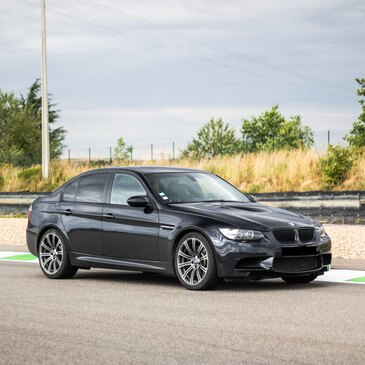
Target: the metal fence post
pixel 89 154
pixel 110 155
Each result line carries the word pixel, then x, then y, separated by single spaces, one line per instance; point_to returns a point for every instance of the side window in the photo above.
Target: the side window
pixel 124 187
pixel 69 194
pixel 91 188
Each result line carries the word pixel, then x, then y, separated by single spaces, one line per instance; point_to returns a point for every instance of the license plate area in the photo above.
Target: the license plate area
pixel 299 251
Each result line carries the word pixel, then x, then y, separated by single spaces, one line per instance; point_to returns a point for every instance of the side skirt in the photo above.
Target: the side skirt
pixel 87 261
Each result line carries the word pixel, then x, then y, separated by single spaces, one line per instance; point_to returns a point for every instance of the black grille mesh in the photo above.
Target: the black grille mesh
pixel 296 264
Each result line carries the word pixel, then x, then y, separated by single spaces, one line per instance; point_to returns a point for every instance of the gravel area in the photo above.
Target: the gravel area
pixel 12 231
pixel 348 240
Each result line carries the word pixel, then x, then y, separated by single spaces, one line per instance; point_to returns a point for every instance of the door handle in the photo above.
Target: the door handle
pixel 67 211
pixel 108 216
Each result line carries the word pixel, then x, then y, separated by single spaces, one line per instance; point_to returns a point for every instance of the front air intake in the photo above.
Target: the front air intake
pixel 296 264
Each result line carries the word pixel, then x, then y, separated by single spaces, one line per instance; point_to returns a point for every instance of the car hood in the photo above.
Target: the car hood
pixel 246 215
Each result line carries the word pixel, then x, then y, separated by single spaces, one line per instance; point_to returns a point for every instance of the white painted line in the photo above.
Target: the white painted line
pixel 11 253
pixel 5 254
pixel 341 276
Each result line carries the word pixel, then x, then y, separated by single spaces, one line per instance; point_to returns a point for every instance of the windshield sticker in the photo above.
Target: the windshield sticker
pixel 163 196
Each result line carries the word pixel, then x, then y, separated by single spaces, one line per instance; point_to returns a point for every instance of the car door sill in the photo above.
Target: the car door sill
pixel 83 260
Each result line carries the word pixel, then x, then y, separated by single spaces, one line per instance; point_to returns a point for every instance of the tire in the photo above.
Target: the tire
pixel 53 256
pixel 195 264
pixel 300 279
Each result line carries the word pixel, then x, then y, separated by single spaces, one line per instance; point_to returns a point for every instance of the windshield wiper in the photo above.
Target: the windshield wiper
pixel 220 201
pixel 209 201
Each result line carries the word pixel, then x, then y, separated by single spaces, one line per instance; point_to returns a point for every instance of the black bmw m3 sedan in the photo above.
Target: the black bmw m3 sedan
pixel 183 222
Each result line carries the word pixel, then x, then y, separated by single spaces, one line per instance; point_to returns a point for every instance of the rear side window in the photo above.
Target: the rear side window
pixel 124 187
pixel 92 188
pixel 69 194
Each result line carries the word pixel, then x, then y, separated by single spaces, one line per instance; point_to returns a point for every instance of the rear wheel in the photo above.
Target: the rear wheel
pixel 300 279
pixel 195 264
pixel 53 256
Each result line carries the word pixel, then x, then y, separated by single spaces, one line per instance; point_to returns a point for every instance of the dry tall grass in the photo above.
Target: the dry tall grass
pixel 261 172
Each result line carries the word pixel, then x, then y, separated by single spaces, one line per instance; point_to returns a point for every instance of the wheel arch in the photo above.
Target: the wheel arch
pixel 46 228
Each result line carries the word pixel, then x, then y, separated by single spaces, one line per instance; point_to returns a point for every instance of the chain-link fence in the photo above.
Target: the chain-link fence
pixel 140 152
pixel 172 150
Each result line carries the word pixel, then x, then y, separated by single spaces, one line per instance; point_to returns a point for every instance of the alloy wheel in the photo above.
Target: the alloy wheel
pixel 51 253
pixel 192 261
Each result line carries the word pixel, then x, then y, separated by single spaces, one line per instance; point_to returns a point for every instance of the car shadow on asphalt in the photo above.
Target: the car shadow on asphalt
pixel 139 278
pixel 131 277
pixel 271 284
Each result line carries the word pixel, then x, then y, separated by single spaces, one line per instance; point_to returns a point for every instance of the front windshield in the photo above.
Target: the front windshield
pixel 193 187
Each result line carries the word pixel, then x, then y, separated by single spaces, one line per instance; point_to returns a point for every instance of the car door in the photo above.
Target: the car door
pixel 129 232
pixel 81 208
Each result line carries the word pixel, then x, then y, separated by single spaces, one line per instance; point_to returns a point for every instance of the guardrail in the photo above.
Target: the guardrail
pixel 326 206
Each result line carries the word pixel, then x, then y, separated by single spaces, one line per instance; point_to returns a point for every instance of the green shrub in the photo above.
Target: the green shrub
pixel 31 173
pixel 30 177
pixel 99 163
pixel 2 181
pixel 336 165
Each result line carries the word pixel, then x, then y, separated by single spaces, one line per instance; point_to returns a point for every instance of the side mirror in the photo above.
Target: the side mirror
pixel 138 201
pixel 252 199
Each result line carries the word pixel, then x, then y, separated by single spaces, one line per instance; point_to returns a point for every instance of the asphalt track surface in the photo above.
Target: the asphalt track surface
pixel 117 317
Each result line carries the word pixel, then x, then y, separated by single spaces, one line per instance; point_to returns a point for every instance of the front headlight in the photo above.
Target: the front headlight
pixel 241 234
pixel 321 231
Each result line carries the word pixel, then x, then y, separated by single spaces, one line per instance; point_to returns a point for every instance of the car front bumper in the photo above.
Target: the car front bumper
pixel 270 258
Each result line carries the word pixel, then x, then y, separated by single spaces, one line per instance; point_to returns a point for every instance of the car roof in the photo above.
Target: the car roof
pixel 146 169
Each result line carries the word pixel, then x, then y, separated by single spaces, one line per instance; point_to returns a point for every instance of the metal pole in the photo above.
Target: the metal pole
pixel 110 155
pixel 69 155
pixel 89 154
pixel 131 153
pixel 329 137
pixel 151 151
pixel 45 131
pixel 173 151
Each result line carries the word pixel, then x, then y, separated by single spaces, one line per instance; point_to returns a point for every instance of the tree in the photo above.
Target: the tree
pixel 336 165
pixel 121 151
pixel 271 131
pixel 21 128
pixel 213 139
pixel 356 137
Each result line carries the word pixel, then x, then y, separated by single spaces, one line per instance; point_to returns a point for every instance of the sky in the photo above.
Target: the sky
pixel 156 71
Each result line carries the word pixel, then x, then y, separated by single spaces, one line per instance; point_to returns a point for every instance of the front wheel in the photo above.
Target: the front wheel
pixel 300 279
pixel 53 256
pixel 195 264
